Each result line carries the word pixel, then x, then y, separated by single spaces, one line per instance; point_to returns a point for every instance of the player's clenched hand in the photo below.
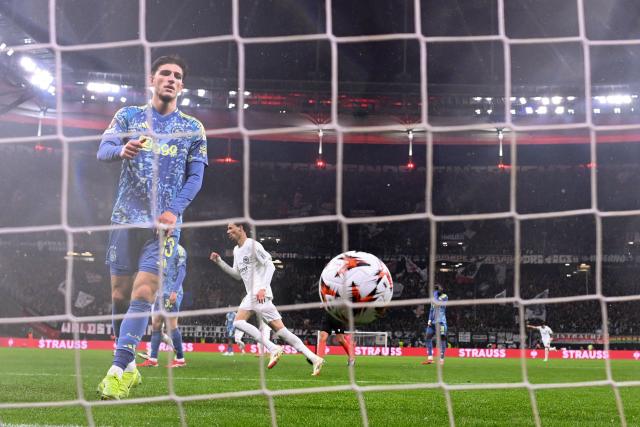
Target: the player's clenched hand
pixel 173 296
pixel 168 219
pixel 131 149
pixel 215 257
pixel 260 295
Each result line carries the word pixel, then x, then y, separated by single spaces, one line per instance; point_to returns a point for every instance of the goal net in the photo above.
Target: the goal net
pixel 489 147
pixel 363 339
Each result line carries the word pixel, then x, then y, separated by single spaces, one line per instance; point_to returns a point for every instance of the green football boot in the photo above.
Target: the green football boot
pixel 113 388
pixel 132 379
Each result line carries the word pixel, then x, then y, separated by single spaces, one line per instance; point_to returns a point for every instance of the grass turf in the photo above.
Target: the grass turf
pixel 29 375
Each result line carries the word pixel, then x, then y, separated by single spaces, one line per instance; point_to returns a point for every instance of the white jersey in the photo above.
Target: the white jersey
pixel 252 262
pixel 545 333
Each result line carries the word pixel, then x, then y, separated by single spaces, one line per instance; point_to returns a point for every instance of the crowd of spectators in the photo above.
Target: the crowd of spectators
pixel 285 190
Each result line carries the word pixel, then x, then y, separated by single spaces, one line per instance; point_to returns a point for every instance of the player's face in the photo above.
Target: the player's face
pixel 234 232
pixel 167 82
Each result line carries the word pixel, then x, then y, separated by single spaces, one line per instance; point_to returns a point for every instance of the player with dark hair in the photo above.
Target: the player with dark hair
pixel 161 174
pixel 253 265
pixel 437 324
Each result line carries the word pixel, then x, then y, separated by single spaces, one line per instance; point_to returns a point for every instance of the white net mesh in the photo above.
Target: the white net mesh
pixel 343 130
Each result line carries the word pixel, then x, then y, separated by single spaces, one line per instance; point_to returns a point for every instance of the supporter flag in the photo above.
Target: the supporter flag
pixel 538 311
pixel 467 273
pixel 413 268
pixel 84 299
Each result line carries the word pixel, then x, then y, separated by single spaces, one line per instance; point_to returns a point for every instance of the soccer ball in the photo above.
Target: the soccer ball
pixel 357 277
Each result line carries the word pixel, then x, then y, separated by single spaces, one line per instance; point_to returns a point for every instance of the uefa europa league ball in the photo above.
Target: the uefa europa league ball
pixel 358 277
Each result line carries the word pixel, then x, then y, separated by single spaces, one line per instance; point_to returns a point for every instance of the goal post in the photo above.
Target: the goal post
pixel 362 338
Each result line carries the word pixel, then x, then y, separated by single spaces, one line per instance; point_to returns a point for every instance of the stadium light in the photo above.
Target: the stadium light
pixel 556 100
pixel 523 100
pixel 103 87
pixel 41 78
pixel 559 110
pixel 185 102
pixel 320 163
pixel 542 110
pixel 201 92
pixel 28 64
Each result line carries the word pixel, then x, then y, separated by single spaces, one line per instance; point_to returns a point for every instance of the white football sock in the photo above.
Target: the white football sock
pixel 115 370
pixel 253 332
pixel 131 366
pixel 296 343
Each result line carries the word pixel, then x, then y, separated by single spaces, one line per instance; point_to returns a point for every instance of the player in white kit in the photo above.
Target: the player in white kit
pixel 545 334
pixel 253 265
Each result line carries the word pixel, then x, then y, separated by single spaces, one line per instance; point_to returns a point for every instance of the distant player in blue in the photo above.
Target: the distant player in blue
pixel 231 330
pixel 169 301
pixel 161 174
pixel 437 324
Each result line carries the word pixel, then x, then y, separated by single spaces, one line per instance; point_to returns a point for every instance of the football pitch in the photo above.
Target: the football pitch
pixel 31 375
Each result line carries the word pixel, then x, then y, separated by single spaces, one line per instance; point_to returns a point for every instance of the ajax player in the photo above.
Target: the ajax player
pixel 253 265
pixel 171 298
pixel 160 175
pixel 437 324
pixel 545 334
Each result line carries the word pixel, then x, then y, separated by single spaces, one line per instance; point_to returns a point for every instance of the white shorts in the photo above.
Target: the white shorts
pixel 546 343
pixel 267 311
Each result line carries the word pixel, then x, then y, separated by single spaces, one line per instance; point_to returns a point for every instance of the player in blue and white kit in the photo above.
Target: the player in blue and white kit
pixel 231 330
pixel 161 174
pixel 169 301
pixel 437 324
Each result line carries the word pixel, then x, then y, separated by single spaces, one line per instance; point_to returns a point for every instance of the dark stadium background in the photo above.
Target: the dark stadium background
pixel 288 84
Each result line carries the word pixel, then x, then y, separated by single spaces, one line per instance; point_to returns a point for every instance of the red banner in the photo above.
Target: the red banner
pixel 465 353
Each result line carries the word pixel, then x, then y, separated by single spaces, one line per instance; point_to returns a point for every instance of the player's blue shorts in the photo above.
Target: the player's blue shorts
pixel 431 330
pixel 137 249
pixel 163 301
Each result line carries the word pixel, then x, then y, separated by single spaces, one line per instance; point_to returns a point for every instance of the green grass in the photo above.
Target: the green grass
pixel 28 375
